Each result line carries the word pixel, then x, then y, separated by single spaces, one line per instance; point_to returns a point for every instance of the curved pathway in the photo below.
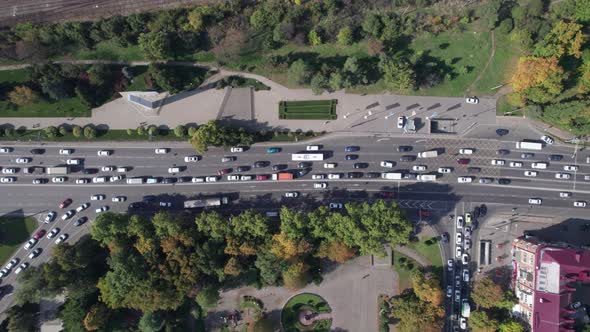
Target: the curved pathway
pixel 413 254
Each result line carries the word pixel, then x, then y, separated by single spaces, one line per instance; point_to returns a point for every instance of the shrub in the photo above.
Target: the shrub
pixel 140 131
pixel 180 131
pixel 89 132
pixel 77 131
pixel 345 36
pixel 192 131
pixel 153 130
pixel 51 131
pixel 8 132
pixel 63 130
pixel 23 95
pixel 129 131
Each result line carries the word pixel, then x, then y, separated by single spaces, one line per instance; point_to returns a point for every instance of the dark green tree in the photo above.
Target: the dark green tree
pixel 155 45
pixel 298 72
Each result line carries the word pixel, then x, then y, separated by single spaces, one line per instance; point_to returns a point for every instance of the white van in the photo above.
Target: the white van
pixel 312 148
pixel 539 165
pixel 197 179
pixel 99 179
pixel 73 162
pixel 466 151
pixel 151 180
pixel 173 170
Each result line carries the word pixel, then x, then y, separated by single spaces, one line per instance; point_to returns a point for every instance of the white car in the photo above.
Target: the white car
pixel 387 164
pixel 530 174
pixel 459 238
pixel 30 244
pixel 472 100
pixel 516 164
pixel 445 170
pixel 5 150
pixel 58 179
pixel 38 181
pixel 53 233
pixel 83 207
pixel 73 161
pixel 401 121
pixel 197 179
pixel 116 178
pixel 191 159
pixel 97 197
pixel 68 215
pixel 465 179
pixel 547 139
pixel 161 150
pixel 458 252
pixel 107 168
pixel 236 149
pixel 535 201
pixel 462 323
pixel 66 151
pixel 118 199
pixel 460 222
pixel 450 264
pixel 466 151
pixel 312 148
pixel 465 259
pixel 498 162
pixel 333 176
pixel 320 185
pixel 122 169
pixel 103 153
pixel 318 176
pixel 419 167
pixel 539 165
pixel 6 179
pixel 580 204
pixel 563 176
pixel 233 178
pixel 330 165
pixel 102 209
pixel 23 160
pixel 49 217
pixel 173 170
pixel 9 170
pixel 211 179
pixel 565 194
pixel 82 181
pixel 61 238
pixel 335 205
pixel 22 267
pixel 572 168
pixel 12 263
pixel 291 194
pixel 246 178
pixel 466 275
pixel 467 244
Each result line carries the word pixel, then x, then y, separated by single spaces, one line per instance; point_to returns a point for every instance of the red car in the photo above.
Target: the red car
pixel 39 234
pixel 387 194
pixel 261 177
pixel 65 203
pixel 463 161
pixel 224 171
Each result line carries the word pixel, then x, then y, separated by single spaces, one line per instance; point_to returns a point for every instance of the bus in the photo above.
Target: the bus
pixel 59 170
pixel 307 156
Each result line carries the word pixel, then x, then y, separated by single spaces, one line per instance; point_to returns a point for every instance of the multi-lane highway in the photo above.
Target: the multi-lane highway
pixel 22 197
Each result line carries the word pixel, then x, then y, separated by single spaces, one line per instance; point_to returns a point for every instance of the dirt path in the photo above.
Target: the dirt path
pixel 491 57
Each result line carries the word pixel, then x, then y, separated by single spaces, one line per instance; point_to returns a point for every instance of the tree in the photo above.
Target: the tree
pixel 372 25
pixel 296 276
pixel 152 321
pixel 192 131
pixel 155 45
pixel 479 321
pixel 180 131
pixel 539 79
pixel 286 248
pixel 23 95
pixel 427 287
pixel 141 130
pixel 398 73
pixel 314 38
pixel 336 81
pixel 336 251
pixel 89 132
pixel 22 318
pixel 564 38
pixel 208 297
pixel 63 130
pixel 584 80
pixel 490 13
pixel 77 131
pixel 486 293
pixel 97 317
pixel 344 36
pixel 199 17
pixel 413 313
pixel 233 267
pixel 214 134
pixel 32 286
pixel 51 132
pixel 298 72
pixel 582 10
pixel 318 83
pixel 269 268
pixel 229 48
pixel 511 326
pixel 9 132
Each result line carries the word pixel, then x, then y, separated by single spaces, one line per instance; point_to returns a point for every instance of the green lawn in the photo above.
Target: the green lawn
pixel 499 70
pixel 15 76
pixel 403 273
pixel 69 107
pixel 430 252
pixel 13 232
pixel 139 76
pixel 109 51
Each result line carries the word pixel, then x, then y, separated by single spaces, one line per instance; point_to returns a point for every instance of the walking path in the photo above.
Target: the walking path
pixel 413 254
pixel 490 58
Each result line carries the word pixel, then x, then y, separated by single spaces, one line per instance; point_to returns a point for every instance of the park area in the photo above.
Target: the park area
pixel 308 110
pixel 13 232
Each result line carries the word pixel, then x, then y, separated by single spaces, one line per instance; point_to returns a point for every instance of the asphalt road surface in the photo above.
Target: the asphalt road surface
pixel 445 196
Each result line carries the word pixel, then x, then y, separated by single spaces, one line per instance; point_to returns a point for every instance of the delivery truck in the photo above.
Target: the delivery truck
pixel 392 175
pixel 428 154
pixel 203 203
pixel 282 176
pixel 135 180
pixel 307 156
pixel 58 170
pixel 524 145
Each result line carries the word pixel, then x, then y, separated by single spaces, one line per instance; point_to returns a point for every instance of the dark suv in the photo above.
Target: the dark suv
pixel 407 158
pixel 404 148
pixel 260 164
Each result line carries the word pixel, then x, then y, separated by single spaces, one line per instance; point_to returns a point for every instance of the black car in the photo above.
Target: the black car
pixel 304 164
pixel 80 221
pixel 407 158
pixel 38 151
pixel 404 148
pixel 302 172
pixel 360 165
pixel 445 237
pixel 473 169
pixel 90 171
pixel 372 175
pixel 476 212
pixel 247 168
pixel 169 180
pixel 149 199
pixel 351 148
pixel 184 179
pixel 504 181
pixel 502 152
pixel 527 155
pixel 410 176
pixel 502 132
pixel 260 164
pixel 555 157
pixel 279 167
pixel 354 175
pixel 351 157
pixel 483 210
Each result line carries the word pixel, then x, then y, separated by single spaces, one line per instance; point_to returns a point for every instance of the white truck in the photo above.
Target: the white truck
pixel 529 145
pixel 307 156
pixel 427 177
pixel 58 170
pixel 428 154
pixel 208 202
pixel 392 175
pixel 135 180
